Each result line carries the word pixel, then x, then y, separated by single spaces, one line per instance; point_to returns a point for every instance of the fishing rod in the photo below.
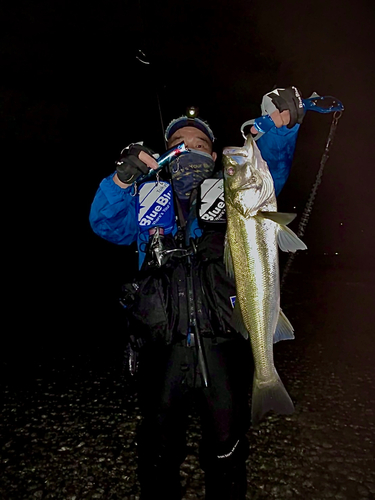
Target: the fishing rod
pixel 142 57
pixel 194 336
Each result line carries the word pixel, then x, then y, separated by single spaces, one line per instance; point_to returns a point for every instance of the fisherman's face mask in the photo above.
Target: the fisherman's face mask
pixel 189 170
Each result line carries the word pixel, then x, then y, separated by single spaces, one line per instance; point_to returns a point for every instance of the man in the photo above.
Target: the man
pixel 180 309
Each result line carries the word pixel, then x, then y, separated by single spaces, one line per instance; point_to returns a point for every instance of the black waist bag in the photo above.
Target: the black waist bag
pixel 154 307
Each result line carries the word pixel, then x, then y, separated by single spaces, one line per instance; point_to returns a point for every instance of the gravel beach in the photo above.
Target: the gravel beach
pixel 68 422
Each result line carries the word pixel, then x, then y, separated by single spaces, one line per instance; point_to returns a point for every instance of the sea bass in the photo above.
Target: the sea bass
pixel 254 231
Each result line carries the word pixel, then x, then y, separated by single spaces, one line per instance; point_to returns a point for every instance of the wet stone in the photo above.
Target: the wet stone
pixel 340 496
pixel 370 487
pixel 363 491
pixel 353 476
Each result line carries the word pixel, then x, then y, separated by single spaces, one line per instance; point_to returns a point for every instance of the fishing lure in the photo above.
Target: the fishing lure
pixel 164 160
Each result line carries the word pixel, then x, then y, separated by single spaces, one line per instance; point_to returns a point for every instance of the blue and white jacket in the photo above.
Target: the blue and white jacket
pixel 113 212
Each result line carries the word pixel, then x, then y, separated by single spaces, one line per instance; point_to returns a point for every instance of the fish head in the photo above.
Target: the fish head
pixel 247 181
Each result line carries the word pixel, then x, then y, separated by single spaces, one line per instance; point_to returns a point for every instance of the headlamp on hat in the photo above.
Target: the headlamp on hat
pixel 192 112
pixel 189 120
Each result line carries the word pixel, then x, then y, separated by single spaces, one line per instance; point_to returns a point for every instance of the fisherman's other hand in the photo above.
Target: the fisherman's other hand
pixel 135 160
pixel 131 355
pixel 284 106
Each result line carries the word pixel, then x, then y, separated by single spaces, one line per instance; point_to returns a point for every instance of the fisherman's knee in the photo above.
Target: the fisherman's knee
pixel 159 449
pixel 225 456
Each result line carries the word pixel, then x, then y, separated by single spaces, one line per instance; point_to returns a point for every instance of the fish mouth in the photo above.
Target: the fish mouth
pixel 235 151
pixel 235 159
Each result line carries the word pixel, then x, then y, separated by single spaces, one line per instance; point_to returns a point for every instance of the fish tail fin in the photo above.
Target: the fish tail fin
pixel 284 329
pixel 271 396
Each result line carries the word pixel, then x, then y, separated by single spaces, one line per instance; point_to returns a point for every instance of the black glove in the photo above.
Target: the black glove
pixel 129 167
pixel 289 99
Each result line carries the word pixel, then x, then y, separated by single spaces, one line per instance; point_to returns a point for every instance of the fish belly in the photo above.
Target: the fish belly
pixel 254 253
pixel 255 259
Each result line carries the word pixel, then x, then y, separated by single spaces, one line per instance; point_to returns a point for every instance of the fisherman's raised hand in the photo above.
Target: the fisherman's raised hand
pixel 135 160
pixel 284 106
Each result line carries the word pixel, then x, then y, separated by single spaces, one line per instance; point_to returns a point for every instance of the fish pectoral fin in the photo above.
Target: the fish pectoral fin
pixel 269 397
pixel 288 241
pixel 284 329
pixel 228 261
pixel 237 321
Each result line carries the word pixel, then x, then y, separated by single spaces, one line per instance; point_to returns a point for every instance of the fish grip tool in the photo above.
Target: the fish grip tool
pixel 310 202
pixel 317 103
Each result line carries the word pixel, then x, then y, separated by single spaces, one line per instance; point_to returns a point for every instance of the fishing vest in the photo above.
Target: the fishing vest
pixel 159 301
pixel 189 288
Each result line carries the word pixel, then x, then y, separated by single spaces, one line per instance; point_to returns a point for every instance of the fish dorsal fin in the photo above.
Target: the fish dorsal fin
pixel 284 329
pixel 287 240
pixel 228 261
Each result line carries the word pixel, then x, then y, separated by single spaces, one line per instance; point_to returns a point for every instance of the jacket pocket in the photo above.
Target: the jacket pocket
pixel 220 293
pixel 152 311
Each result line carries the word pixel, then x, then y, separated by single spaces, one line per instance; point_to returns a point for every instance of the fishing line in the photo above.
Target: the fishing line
pixel 142 58
pixel 310 202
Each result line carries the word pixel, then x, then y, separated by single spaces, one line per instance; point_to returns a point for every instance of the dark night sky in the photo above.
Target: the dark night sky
pixel 73 95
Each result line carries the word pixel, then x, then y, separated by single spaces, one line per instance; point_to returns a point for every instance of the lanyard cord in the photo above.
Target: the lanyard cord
pixel 310 202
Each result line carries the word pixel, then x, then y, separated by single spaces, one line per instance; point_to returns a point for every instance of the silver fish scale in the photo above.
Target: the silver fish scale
pixel 252 240
pixel 255 259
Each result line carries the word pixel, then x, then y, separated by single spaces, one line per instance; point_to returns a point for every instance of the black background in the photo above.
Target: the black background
pixel 73 95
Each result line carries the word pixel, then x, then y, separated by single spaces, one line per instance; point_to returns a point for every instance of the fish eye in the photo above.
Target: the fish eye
pixel 230 170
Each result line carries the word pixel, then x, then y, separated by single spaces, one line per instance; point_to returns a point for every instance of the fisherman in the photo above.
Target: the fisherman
pixel 180 308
